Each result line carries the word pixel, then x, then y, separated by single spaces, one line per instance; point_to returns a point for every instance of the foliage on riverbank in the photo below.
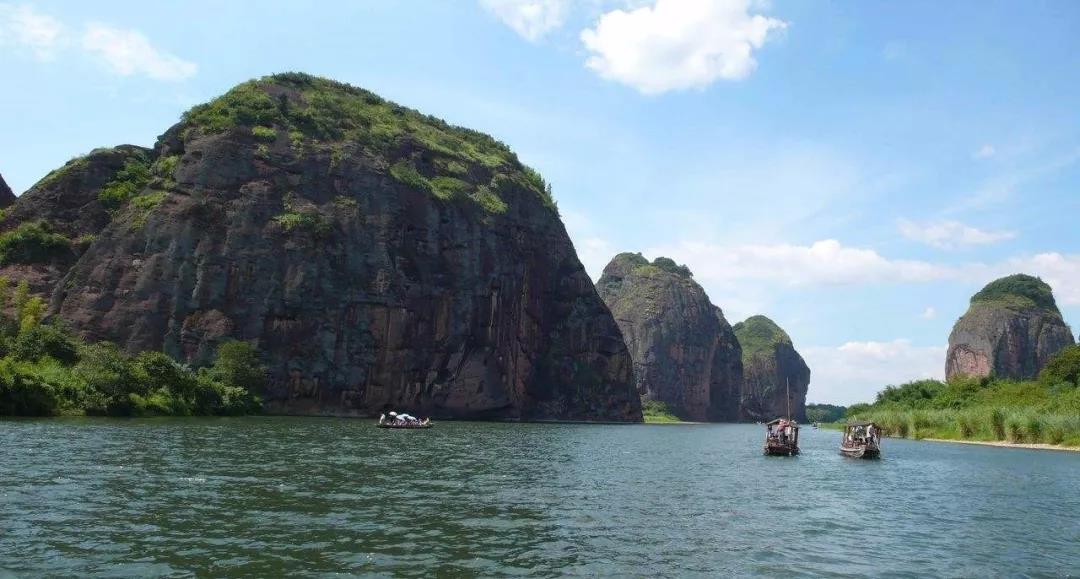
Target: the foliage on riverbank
pixel 824 413
pixel 656 412
pixel 1046 410
pixel 46 371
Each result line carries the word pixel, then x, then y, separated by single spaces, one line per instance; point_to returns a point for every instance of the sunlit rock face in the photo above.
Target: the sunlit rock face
pixel 685 353
pixel 1012 328
pixel 775 376
pixel 376 256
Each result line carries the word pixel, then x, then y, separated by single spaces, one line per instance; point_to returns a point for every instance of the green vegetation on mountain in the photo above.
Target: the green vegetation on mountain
pixel 32 242
pixel 46 371
pixel 1021 291
pixel 759 335
pixel 334 114
pixel 129 181
pixel 656 412
pixel 1046 410
pixel 825 412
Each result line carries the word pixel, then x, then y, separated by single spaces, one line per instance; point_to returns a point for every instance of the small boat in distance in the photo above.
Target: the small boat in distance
pixel 395 420
pixel 861 440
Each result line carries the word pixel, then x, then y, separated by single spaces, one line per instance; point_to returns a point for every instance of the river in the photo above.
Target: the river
pixel 309 496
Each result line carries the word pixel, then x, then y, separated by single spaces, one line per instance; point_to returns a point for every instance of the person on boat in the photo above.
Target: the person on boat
pixel 870 432
pixel 382 418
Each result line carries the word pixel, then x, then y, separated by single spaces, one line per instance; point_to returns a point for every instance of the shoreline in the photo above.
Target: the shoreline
pixel 1007 444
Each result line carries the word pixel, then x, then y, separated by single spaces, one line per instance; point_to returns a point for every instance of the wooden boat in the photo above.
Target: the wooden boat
pixel 782 437
pixel 405 426
pixel 782 434
pixel 861 440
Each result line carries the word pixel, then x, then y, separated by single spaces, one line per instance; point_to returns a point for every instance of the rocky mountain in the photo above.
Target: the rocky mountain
pixel 376 256
pixel 771 368
pixel 7 197
pixel 685 353
pixel 1010 330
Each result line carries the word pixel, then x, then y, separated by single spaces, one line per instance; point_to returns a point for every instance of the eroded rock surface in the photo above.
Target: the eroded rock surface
pixel 7 196
pixel 685 353
pixel 773 371
pixel 377 257
pixel 1011 330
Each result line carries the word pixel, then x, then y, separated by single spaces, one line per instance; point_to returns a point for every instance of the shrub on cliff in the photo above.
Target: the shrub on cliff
pixel 1018 290
pixel 32 242
pixel 1063 368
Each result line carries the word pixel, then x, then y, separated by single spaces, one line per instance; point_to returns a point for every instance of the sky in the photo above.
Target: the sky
pixel 854 170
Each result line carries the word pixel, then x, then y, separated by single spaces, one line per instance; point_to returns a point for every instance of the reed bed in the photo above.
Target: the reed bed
pixel 986 424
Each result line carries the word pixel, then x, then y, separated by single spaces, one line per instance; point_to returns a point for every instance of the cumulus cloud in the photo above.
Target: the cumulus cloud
pixel 856 371
pixel 129 52
pixel 122 51
pixel 950 234
pixel 678 44
pixel 828 262
pixel 23 27
pixel 985 152
pixel 532 19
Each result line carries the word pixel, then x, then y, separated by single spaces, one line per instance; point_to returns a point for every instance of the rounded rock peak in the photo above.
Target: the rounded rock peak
pixel 1019 291
pixel 759 333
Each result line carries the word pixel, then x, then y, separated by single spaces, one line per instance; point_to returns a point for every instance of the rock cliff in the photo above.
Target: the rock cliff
pixel 771 367
pixel 1011 329
pixel 377 257
pixel 7 197
pixel 685 353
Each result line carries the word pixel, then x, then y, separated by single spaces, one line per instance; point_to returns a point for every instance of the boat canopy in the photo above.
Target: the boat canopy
pixel 860 423
pixel 779 420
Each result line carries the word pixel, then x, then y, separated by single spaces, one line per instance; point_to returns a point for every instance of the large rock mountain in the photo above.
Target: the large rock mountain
pixel 7 197
pixel 1011 329
pixel 773 371
pixel 376 256
pixel 684 351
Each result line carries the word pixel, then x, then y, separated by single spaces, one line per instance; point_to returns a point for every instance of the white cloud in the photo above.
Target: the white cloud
pixel 532 19
pixel 125 52
pixel 677 44
pixel 24 27
pixel 950 234
pixel 928 314
pixel 856 371
pixel 985 152
pixel 825 262
pixel 725 269
pixel 128 52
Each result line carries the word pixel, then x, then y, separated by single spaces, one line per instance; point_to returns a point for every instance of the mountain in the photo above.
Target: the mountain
pixel 771 367
pixel 1010 330
pixel 7 197
pixel 685 353
pixel 377 257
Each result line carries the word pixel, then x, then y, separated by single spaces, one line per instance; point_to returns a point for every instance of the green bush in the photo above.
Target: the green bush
pixel 39 341
pixel 32 242
pixel 264 133
pixel 126 184
pixel 1063 367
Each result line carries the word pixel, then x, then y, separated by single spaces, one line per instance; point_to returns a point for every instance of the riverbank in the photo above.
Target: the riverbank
pixel 1007 444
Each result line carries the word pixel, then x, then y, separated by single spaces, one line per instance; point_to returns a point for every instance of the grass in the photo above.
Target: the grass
pixel 656 412
pixel 1045 411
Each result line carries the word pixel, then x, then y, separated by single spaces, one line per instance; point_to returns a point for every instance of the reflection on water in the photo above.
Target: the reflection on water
pixel 259 496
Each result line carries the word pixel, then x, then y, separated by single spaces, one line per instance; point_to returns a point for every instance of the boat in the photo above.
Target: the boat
pixel 782 434
pixel 405 425
pixel 861 440
pixel 782 437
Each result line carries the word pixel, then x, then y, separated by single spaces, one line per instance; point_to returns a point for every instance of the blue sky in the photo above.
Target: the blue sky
pixel 854 170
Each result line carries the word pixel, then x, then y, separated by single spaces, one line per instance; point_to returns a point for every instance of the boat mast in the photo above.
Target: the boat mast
pixel 787 392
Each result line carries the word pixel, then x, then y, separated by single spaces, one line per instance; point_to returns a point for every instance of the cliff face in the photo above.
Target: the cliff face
pixel 1011 330
pixel 771 367
pixel 376 256
pixel 684 351
pixel 7 197
pixel 62 212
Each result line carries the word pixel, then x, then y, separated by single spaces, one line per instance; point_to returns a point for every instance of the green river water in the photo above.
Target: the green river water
pixel 272 496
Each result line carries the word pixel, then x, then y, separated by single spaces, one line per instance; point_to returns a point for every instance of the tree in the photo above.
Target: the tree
pixel 238 365
pixel 1063 367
